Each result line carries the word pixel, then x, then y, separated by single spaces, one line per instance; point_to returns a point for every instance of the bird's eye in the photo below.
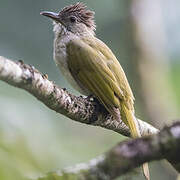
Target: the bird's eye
pixel 73 19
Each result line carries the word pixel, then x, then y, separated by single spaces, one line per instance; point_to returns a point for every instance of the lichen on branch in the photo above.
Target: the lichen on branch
pixel 76 108
pixel 126 156
pixel 120 159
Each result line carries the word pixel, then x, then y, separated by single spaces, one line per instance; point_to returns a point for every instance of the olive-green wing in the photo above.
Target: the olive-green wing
pixel 90 67
pixel 117 71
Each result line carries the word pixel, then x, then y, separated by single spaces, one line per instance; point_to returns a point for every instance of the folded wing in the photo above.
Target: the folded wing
pixel 94 66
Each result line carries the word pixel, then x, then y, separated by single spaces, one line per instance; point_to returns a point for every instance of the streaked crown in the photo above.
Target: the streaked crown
pixel 81 13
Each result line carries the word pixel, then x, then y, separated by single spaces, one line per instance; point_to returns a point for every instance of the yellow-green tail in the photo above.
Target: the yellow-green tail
pixel 131 122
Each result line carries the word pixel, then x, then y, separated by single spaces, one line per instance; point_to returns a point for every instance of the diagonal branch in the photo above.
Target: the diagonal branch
pixel 79 109
pixel 126 156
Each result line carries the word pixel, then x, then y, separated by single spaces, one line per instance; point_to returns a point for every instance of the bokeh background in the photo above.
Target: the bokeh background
pixel 144 35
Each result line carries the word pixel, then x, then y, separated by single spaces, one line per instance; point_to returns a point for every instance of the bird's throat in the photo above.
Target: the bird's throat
pixel 59 30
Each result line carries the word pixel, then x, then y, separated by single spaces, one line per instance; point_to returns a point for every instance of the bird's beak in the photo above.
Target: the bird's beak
pixel 52 15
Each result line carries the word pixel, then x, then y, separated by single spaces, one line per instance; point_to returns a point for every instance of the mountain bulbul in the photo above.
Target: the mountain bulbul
pixel 90 66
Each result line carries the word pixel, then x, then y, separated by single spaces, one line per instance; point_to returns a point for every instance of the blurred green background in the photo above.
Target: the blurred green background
pixel 34 139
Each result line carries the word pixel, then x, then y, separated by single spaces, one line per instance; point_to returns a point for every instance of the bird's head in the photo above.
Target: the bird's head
pixel 74 18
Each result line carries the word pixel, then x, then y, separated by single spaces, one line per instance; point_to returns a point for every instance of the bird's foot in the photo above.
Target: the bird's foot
pixel 90 98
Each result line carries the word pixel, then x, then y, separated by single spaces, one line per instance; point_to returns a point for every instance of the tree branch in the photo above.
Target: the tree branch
pixel 125 157
pixel 79 109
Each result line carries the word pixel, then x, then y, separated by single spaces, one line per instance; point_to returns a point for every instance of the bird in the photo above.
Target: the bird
pixel 90 66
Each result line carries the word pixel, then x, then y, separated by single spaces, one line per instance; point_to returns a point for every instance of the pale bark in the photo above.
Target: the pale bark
pixel 125 156
pixel 79 109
